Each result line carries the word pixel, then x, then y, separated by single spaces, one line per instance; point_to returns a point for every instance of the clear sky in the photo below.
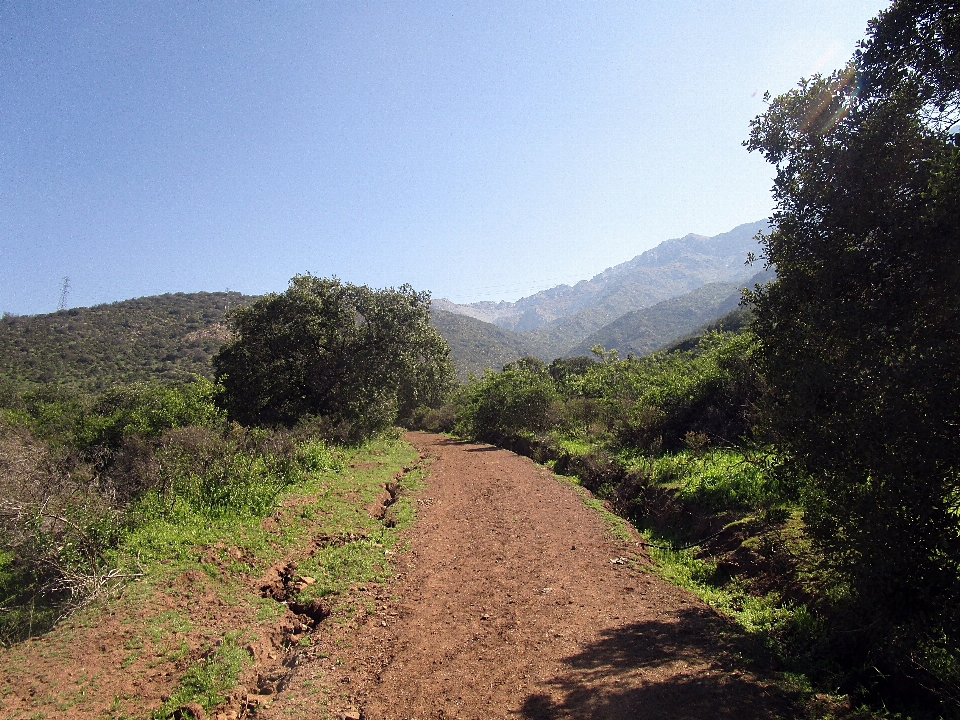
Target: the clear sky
pixel 480 150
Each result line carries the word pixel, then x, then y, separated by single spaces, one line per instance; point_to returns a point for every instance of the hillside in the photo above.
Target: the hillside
pixel 476 345
pixel 643 331
pixel 169 338
pixel 564 316
pixel 173 337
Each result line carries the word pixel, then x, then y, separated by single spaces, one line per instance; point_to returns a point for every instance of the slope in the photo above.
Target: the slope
pixel 563 316
pixel 476 345
pixel 173 337
pixel 169 338
pixel 643 331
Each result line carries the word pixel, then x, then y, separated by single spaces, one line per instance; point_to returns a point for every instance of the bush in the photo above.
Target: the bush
pixel 54 530
pixel 709 392
pixel 860 340
pixel 499 405
pixel 111 462
pixel 359 357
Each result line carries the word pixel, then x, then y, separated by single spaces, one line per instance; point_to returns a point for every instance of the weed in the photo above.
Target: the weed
pixel 169 621
pixel 206 681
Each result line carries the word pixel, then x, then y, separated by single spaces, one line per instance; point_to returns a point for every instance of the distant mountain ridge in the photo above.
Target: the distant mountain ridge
pixel 643 331
pixel 670 269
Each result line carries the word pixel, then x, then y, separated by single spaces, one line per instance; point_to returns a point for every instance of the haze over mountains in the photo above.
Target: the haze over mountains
pixel 562 321
pixel 636 307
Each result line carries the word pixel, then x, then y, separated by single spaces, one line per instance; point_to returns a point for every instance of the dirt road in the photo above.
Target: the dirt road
pixel 514 600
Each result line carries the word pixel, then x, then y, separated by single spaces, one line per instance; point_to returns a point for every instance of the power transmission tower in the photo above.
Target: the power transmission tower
pixel 64 291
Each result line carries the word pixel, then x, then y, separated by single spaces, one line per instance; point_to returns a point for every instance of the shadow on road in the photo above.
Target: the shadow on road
pixel 460 443
pixel 601 680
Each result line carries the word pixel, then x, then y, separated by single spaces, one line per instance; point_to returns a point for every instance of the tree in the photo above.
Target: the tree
pixel 353 355
pixel 860 333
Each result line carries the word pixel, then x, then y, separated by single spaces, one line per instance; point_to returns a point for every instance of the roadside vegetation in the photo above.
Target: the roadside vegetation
pixel 797 464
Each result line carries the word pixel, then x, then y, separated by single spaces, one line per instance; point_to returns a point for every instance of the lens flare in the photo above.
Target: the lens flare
pixel 833 104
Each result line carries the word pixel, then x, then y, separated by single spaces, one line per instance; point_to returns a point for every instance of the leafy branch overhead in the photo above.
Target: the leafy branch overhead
pixel 860 334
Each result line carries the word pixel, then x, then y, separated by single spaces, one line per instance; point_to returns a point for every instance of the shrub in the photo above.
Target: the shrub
pixel 356 356
pixel 502 404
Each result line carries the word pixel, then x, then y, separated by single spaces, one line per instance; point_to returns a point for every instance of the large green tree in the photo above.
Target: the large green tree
pixel 356 356
pixel 860 334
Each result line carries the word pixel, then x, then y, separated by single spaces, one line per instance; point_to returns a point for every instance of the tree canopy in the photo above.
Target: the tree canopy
pixel 353 355
pixel 860 332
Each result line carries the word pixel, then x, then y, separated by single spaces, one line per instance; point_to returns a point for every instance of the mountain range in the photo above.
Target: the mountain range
pixel 561 321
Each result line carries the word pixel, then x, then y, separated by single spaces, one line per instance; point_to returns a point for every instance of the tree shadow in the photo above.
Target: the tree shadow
pixel 601 680
pixel 461 443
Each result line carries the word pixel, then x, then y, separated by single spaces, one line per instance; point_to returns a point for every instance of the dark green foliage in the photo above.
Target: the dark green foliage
pixel 167 338
pixel 914 48
pixel 709 392
pixel 563 368
pixel 516 400
pixel 860 339
pixel 355 356
pixel 652 402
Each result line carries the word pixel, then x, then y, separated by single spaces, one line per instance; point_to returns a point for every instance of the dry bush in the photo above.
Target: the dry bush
pixel 54 528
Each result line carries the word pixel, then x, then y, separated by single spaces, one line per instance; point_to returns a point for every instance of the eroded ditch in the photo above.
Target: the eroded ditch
pixel 278 656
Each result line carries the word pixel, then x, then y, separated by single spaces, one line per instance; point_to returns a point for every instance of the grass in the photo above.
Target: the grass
pixel 766 617
pixel 325 496
pixel 715 479
pixel 725 483
pixel 207 680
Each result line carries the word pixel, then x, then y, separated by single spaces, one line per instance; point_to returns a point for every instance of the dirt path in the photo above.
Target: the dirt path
pixel 508 605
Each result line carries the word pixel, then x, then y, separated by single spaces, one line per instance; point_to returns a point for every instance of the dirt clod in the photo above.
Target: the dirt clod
pixel 190 711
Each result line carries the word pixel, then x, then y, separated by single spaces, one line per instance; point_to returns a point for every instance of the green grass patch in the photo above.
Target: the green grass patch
pixel 767 617
pixel 714 479
pixel 327 499
pixel 206 681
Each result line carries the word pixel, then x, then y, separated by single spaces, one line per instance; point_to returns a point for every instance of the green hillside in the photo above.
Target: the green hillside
pixel 166 338
pixel 171 338
pixel 476 345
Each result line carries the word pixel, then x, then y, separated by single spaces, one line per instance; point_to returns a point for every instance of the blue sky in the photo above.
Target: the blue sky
pixel 482 151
